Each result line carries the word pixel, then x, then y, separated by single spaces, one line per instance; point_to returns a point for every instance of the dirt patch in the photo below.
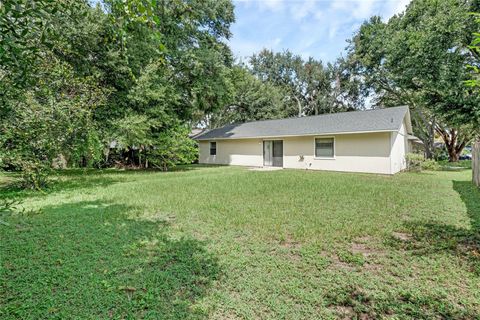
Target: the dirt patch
pixel 364 239
pixel 373 267
pixel 289 242
pixel 365 250
pixel 290 248
pixel 294 256
pixel 336 263
pixel 345 312
pixel 402 236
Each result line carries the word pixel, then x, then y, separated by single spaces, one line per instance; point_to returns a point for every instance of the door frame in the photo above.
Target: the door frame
pixel 263 152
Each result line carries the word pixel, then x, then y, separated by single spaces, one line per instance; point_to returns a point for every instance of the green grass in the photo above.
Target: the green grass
pixel 229 243
pixel 465 164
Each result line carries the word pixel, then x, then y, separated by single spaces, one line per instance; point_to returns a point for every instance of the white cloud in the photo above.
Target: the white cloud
pixel 364 9
pixel 272 5
pixel 244 48
pixel 302 9
pixel 395 8
pixel 332 32
pixel 307 27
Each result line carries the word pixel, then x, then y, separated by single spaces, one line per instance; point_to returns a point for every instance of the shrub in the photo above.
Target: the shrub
pixel 414 161
pixel 430 164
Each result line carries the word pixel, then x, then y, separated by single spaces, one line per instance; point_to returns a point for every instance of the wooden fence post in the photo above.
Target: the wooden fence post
pixel 476 163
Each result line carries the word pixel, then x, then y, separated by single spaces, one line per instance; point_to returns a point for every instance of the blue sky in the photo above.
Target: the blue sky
pixel 317 28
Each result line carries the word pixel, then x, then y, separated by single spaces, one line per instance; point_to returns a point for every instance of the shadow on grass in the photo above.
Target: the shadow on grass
pixel 89 260
pixel 78 179
pixel 352 302
pixel 432 238
pixel 455 166
pixel 61 182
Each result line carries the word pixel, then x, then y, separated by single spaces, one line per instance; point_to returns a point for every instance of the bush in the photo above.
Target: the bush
pixel 416 162
pixel 430 164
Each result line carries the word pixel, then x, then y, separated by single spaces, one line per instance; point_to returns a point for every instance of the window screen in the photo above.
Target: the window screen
pixel 213 148
pixel 324 148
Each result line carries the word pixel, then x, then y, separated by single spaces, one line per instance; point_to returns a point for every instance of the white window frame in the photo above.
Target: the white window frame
pixel 315 148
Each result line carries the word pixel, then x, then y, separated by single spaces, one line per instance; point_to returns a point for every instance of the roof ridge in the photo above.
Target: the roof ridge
pixel 369 119
pixel 312 116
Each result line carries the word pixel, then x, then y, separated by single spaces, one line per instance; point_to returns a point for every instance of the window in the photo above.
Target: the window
pixel 213 148
pixel 324 147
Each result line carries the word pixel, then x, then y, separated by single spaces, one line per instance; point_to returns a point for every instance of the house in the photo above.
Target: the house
pixel 372 141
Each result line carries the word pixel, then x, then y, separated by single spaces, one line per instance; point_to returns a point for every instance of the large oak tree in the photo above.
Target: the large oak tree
pixel 418 58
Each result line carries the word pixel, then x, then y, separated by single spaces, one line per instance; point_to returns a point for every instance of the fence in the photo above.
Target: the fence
pixel 476 163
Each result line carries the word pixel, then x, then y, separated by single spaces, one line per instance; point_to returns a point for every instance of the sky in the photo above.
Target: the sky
pixel 316 28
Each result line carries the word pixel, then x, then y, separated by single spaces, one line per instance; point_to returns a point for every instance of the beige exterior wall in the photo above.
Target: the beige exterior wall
pixel 243 152
pixel 399 141
pixel 363 152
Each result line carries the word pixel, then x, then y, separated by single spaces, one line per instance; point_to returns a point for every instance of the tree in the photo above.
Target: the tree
pixel 475 47
pixel 25 30
pixel 49 112
pixel 177 71
pixel 135 72
pixel 418 58
pixel 310 88
pixel 475 115
pixel 251 99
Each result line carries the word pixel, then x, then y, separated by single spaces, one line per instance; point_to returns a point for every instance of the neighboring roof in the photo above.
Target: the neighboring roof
pixel 196 132
pixel 414 139
pixel 389 119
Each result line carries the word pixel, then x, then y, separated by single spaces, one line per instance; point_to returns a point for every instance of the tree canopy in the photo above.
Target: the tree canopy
pixel 310 86
pixel 418 58
pixel 121 74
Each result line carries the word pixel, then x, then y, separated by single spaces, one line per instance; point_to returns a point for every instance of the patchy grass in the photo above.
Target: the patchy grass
pixel 228 243
pixel 462 164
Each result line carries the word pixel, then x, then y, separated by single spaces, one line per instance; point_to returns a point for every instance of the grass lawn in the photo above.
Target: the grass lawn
pixel 229 243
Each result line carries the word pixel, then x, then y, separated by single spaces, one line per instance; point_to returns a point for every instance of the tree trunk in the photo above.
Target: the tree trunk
pixel 426 131
pixel 299 106
pixel 453 156
pixel 476 163
pixel 453 144
pixel 431 140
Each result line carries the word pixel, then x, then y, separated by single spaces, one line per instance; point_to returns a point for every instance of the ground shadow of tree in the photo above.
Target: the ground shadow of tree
pixel 84 179
pixel 431 238
pixel 353 302
pixel 58 183
pixel 427 238
pixel 89 260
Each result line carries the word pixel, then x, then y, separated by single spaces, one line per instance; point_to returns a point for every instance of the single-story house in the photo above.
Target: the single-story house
pixel 372 141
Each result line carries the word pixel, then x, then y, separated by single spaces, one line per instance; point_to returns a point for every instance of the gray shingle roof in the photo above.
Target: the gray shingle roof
pixel 389 119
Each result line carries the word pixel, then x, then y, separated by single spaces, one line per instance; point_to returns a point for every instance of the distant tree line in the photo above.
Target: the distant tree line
pixel 122 82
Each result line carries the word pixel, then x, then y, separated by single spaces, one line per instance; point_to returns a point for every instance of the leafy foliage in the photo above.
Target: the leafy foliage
pixel 418 58
pixel 250 99
pixel 416 162
pixel 121 74
pixel 310 87
pixel 475 47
